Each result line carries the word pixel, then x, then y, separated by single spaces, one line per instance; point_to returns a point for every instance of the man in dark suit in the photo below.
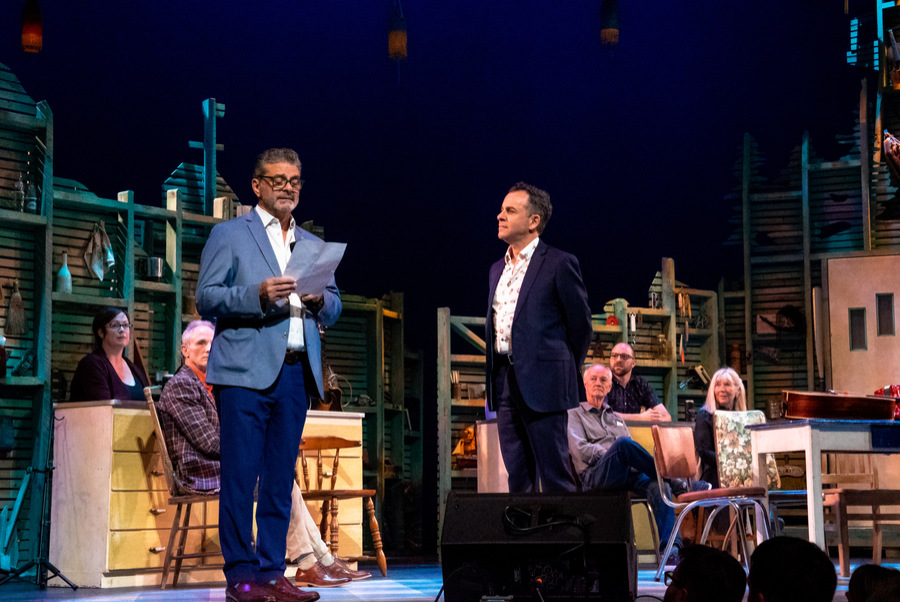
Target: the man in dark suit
pixel 265 359
pixel 538 331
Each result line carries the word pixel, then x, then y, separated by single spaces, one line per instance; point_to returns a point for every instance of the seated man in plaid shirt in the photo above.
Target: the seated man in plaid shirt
pixel 191 427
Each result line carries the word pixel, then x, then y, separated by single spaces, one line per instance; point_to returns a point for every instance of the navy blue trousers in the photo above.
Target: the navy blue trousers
pixel 534 445
pixel 260 437
pixel 627 465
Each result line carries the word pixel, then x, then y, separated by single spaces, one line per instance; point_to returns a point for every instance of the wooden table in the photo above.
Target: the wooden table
pixel 814 437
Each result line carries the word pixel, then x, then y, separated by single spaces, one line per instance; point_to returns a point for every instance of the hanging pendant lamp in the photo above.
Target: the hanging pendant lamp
pixel 609 22
pixel 397 36
pixel 32 27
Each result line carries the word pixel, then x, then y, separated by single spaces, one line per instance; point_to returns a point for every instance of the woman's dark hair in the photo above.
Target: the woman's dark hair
pixel 104 317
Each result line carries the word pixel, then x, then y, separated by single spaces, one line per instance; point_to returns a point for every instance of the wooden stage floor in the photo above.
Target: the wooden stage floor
pixel 404 583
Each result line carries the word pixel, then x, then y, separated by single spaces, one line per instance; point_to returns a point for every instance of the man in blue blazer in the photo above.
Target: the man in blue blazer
pixel 264 361
pixel 537 333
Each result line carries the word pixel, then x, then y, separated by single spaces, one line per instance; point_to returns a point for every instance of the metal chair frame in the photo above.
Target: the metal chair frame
pixel 676 458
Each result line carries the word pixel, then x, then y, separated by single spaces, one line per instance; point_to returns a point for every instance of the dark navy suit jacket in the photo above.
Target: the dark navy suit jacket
pixel 551 331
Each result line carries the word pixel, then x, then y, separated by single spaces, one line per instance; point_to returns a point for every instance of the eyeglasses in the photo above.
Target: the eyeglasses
pixel 669 578
pixel 279 182
pixel 118 326
pixel 624 356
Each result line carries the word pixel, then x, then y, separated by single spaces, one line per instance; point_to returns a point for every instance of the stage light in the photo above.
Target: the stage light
pixel 397 36
pixel 609 22
pixel 32 27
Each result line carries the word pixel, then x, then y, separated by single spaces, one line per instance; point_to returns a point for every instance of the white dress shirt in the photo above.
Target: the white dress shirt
pixel 281 245
pixel 507 295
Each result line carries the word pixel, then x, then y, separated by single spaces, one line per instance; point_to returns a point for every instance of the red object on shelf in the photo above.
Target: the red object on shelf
pixel 891 391
pixel 612 321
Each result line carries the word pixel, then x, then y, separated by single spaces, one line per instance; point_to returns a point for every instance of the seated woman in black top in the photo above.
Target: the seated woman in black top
pixel 107 373
pixel 726 392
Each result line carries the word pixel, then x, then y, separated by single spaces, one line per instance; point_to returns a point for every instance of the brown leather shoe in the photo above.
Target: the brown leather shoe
pixel 341 569
pixel 317 576
pixel 283 590
pixel 248 591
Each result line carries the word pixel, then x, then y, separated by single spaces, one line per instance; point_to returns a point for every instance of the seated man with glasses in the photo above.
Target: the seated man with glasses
pixel 705 575
pixel 631 396
pixel 107 373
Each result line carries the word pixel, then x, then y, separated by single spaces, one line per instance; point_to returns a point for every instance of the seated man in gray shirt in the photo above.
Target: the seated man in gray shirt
pixel 604 455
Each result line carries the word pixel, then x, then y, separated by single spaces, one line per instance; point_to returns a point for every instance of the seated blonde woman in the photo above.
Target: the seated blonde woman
pixel 726 392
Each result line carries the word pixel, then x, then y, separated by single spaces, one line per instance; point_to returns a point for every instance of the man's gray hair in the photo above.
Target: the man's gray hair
pixel 188 335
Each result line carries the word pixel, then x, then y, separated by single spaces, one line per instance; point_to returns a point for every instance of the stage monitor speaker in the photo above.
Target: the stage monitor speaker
pixel 533 546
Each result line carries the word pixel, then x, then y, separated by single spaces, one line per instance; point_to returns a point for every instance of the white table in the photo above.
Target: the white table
pixel 813 437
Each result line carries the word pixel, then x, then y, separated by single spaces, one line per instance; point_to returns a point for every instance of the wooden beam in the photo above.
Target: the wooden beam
pixel 467 335
pixel 748 288
pixel 443 415
pixel 807 277
pixel 864 164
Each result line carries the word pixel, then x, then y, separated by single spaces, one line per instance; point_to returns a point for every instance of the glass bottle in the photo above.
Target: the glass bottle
pixel 19 194
pixel 64 277
pixel 31 198
pixel 3 355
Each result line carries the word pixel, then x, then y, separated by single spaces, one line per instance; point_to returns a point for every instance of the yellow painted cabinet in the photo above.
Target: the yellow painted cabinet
pixel 110 518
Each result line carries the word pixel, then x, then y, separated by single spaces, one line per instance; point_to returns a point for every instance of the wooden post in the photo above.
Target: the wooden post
pixel 211 111
pixel 807 278
pixel 173 259
pixel 127 197
pixel 864 165
pixel 748 288
pixel 443 414
pixel 378 389
pixel 670 383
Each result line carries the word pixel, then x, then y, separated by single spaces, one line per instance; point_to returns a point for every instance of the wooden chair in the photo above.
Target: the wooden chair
pixel 855 495
pixel 325 492
pixel 181 522
pixel 676 458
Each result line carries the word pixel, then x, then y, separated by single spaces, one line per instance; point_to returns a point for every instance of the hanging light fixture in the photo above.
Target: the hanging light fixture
pixel 32 27
pixel 609 22
pixel 397 36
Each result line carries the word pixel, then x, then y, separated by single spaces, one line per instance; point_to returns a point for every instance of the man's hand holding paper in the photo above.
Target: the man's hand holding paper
pixel 312 265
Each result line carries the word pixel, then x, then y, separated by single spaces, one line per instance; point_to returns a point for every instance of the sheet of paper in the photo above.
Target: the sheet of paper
pixel 313 263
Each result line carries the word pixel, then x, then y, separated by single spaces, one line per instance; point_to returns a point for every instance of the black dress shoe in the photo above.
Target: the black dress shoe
pixel 283 590
pixel 248 591
pixel 341 569
pixel 318 576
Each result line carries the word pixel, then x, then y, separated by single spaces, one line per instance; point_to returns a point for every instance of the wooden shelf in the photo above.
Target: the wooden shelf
pixel 194 219
pixel 464 473
pixel 610 328
pixel 652 315
pixel 654 364
pixel 21 381
pixel 149 211
pixel 8 216
pixel 73 199
pixel 467 403
pixel 88 300
pixel 151 286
